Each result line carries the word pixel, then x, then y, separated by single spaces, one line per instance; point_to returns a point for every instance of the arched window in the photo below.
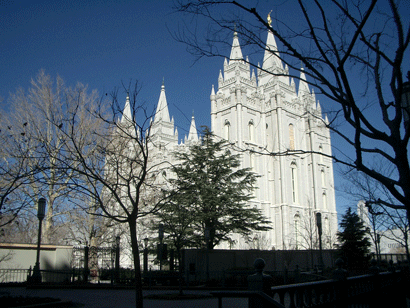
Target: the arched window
pixel 227 130
pixel 251 131
pixel 321 152
pixel 327 235
pixel 327 226
pixel 296 220
pixel 252 160
pixel 294 181
pixel 291 137
pixel 324 201
pixel 322 176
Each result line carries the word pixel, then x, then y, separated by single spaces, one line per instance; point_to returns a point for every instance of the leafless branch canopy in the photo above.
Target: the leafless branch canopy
pixel 353 53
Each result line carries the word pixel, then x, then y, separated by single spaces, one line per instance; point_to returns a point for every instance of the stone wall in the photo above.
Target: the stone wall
pixel 22 256
pixel 276 260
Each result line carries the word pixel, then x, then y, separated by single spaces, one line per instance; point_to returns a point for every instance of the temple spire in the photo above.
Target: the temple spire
pixel 192 135
pixel 162 113
pixel 303 85
pixel 271 57
pixel 236 52
pixel 126 114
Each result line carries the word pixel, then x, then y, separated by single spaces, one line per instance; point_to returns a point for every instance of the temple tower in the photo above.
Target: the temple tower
pixel 284 134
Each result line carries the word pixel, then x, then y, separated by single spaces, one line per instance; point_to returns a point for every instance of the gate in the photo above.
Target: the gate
pixel 96 264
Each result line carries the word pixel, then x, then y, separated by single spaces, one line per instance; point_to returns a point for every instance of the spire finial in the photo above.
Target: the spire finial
pixel 163 83
pixel 269 19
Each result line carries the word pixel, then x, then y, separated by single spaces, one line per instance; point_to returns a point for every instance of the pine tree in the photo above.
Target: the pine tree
pixel 214 193
pixel 355 244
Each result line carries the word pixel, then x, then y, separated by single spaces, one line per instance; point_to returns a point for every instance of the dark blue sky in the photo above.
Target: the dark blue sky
pixel 103 43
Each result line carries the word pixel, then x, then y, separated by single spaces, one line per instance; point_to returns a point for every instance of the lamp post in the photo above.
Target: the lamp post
pixel 319 231
pixel 146 255
pixel 41 209
pixel 86 261
pixel 161 237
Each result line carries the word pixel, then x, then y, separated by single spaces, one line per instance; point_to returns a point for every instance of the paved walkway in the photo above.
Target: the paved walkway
pixel 92 298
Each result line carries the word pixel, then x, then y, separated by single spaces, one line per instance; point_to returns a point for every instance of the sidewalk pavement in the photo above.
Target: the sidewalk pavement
pixel 108 298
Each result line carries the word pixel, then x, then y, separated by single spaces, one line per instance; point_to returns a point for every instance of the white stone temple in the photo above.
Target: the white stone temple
pixel 265 114
pixel 282 129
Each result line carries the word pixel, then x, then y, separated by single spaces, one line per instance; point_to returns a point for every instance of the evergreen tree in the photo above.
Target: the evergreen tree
pixel 355 244
pixel 212 192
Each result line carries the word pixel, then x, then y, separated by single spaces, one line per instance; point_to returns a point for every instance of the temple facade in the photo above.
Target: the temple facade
pixel 286 142
pixel 280 131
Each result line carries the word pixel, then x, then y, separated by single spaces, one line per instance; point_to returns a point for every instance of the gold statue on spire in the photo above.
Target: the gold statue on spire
pixel 269 19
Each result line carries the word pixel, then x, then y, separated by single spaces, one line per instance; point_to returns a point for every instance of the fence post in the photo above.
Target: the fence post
pixel 297 274
pixel 376 298
pixel 259 282
pixel 341 289
pixel 29 274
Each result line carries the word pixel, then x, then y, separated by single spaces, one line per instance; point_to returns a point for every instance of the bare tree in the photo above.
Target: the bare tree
pixel 402 226
pixel 92 155
pixel 34 120
pixel 5 257
pixel 305 234
pixel 85 225
pixel 384 221
pixel 15 170
pixel 22 229
pixel 347 48
pixel 257 241
pixel 107 147
pixel 307 231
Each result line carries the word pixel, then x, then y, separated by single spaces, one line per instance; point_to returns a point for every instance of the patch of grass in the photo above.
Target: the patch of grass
pixel 177 296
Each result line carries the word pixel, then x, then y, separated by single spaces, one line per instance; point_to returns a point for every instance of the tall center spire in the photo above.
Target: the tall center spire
pixel 162 113
pixel 127 114
pixel 271 57
pixel 236 52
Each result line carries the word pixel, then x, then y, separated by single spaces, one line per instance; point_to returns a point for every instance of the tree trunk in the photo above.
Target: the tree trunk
pixel 137 269
pixel 49 220
pixel 406 244
pixel 180 271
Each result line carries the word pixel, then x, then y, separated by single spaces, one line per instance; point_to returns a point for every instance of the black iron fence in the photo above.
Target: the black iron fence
pixel 229 278
pixel 379 290
pixel 225 279
pixel 57 276
pixel 14 275
pixel 387 289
